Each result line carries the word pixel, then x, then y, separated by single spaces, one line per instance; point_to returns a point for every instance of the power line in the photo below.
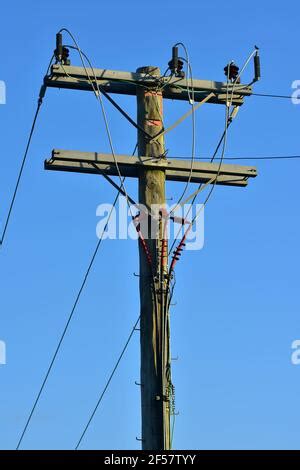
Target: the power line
pixel 98 95
pixel 191 96
pixel 42 92
pixel 262 95
pixel 263 157
pixel 68 320
pixel 270 157
pixel 267 95
pixel 107 383
pixel 161 325
pixel 39 104
pixel 20 173
pixel 223 140
pixel 64 330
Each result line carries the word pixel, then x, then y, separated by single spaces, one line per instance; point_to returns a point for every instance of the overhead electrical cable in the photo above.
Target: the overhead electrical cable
pixel 78 296
pixel 263 157
pixel 12 202
pixel 268 95
pixel 191 96
pixel 103 392
pixel 223 140
pixel 98 96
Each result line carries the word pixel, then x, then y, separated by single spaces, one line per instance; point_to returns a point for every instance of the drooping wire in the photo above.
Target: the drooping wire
pixel 11 206
pixel 191 96
pixel 107 384
pixel 181 244
pixel 194 198
pixel 255 50
pixel 189 74
pixel 98 96
pixel 223 140
pixel 20 174
pixel 90 265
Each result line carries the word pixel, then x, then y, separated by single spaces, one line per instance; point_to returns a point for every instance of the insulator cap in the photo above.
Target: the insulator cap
pixel 231 71
pixel 65 56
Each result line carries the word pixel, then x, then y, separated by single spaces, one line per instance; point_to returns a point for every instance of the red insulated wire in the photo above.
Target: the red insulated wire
pixel 164 242
pixel 143 241
pixel 179 249
pixel 147 252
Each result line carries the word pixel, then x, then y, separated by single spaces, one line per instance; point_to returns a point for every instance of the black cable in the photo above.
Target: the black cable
pixel 68 323
pixel 40 101
pixel 211 160
pixel 20 173
pixel 267 95
pixel 62 336
pixel 107 384
pixel 98 96
pixel 270 157
pixel 263 95
pixel 191 95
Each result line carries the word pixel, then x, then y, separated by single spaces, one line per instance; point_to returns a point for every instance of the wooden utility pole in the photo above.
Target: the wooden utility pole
pixel 154 340
pixel 152 169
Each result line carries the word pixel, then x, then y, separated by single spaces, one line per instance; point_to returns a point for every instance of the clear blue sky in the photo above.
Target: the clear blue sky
pixel 238 305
